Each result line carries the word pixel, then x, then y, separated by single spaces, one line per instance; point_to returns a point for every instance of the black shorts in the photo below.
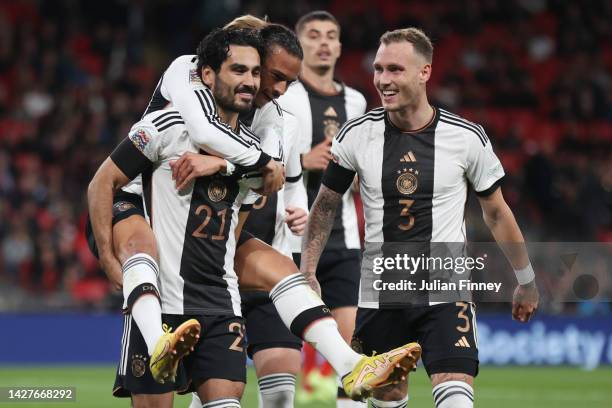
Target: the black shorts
pixel 264 327
pixel 124 206
pixel 446 332
pixel 218 354
pixel 338 274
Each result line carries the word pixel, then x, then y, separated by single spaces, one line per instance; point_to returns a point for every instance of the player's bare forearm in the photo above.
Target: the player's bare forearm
pixel 318 228
pixel 102 187
pixel 502 224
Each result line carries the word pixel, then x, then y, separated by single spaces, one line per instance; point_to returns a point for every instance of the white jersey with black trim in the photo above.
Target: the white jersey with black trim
pixel 194 228
pixel 414 185
pixel 319 117
pixel 267 218
pixel 181 87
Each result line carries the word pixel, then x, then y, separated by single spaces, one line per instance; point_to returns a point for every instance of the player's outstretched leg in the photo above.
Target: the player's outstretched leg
pixel 260 267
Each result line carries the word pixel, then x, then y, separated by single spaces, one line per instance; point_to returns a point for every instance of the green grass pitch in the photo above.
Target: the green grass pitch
pixel 514 387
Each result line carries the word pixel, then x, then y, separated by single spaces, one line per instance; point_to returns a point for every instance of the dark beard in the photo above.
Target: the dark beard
pixel 225 98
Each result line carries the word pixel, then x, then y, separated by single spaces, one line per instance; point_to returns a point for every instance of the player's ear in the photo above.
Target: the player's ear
pixel 208 76
pixel 425 73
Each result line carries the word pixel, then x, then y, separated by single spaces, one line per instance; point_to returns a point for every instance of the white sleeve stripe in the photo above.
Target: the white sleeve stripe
pixel 214 119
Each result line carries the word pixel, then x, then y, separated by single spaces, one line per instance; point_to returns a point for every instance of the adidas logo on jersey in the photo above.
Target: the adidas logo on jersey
pixel 330 112
pixel 408 158
pixel 462 342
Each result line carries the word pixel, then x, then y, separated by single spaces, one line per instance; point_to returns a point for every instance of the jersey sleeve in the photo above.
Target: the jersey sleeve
pixel 181 85
pixel 340 172
pixel 268 126
pixel 139 150
pixel 295 191
pixel 483 170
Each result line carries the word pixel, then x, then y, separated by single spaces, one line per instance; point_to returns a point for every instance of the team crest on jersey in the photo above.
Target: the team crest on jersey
pixel 407 182
pixel 140 139
pixel 330 128
pixel 194 78
pixel 217 190
pixel 138 365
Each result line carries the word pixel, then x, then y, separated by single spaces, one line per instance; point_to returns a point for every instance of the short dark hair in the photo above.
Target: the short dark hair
pixel 213 50
pixel 318 15
pixel 278 34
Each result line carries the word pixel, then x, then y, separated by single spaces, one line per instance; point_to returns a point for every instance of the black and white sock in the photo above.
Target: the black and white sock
pixel 223 403
pixel 453 394
pixel 141 296
pixel 403 403
pixel 276 391
pixel 305 314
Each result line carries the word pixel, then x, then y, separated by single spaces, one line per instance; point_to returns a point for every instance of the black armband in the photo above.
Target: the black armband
pixel 293 179
pixel 337 178
pixel 263 160
pixel 490 190
pixel 129 159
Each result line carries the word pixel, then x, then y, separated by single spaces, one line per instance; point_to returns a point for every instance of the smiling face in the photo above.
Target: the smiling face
pixel 400 75
pixel 235 85
pixel 320 40
pixel 279 70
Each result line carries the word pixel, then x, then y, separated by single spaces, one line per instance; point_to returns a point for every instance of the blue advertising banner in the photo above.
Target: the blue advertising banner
pixel 96 338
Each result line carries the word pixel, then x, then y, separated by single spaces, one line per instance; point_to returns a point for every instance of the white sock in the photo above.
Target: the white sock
pixel 349 403
pixel 139 288
pixel 195 401
pixel 276 391
pixel 403 403
pixel 453 394
pixel 223 403
pixel 305 314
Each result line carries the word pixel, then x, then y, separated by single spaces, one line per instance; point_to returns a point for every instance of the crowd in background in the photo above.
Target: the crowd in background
pixel 75 75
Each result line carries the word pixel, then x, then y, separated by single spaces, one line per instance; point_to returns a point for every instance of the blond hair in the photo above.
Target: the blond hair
pixel 247 21
pixel 418 39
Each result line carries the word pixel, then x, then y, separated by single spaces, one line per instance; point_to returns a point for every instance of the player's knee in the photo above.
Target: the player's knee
pixel 277 269
pixel 136 243
pixel 453 394
pixel 151 401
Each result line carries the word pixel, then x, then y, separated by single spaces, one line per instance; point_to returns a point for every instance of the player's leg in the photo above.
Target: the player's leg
pixel 338 273
pixel 261 267
pixel 450 353
pixel 274 349
pixel 135 246
pixel 217 367
pixel 378 330
pixel 276 370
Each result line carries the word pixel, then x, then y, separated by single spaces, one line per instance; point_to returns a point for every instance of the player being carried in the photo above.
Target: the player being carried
pixel 308 316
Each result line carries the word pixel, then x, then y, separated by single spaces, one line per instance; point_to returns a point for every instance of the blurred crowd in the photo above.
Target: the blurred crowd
pixel 74 76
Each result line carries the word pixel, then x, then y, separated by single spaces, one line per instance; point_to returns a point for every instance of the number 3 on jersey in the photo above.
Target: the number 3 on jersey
pixel 409 218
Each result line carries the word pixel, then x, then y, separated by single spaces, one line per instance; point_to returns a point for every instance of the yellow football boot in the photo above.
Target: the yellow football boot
pixel 171 348
pixel 380 370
